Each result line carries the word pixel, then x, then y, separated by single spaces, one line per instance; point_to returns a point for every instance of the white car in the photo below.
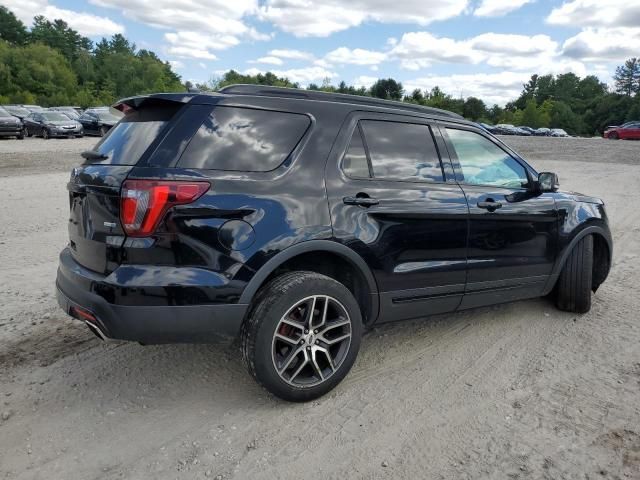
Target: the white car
pixel 558 132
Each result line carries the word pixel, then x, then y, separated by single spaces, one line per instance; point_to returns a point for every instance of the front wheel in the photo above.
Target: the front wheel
pixel 103 131
pixel 614 136
pixel 302 335
pixel 45 134
pixel 575 282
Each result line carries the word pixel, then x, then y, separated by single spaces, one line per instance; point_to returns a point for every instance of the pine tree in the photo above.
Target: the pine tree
pixel 627 77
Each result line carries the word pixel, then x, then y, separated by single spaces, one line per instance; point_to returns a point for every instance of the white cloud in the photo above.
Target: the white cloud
pixel 219 23
pixel 198 45
pixel 497 8
pixel 596 13
pixel 603 44
pixel 491 87
pixel 291 54
pixel 417 50
pixel 306 18
pixel 303 76
pixel 176 64
pixel 85 23
pixel 268 60
pixel 364 81
pixel 357 56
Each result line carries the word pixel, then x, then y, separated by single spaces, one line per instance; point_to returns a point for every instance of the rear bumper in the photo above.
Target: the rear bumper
pixel 10 132
pixel 78 295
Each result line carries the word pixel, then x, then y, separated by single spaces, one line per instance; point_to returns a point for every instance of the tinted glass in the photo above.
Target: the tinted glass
pixel 402 151
pixel 355 163
pixel 107 117
pixel 128 140
pixel 484 163
pixel 244 139
pixel 23 112
pixel 54 117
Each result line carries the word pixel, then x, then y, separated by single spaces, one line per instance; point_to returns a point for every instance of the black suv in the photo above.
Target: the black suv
pixel 295 220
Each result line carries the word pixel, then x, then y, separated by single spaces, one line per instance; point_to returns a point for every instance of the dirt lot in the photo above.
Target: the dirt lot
pixel 514 391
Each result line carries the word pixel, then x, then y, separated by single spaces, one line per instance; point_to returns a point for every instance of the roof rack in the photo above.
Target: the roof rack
pixel 267 91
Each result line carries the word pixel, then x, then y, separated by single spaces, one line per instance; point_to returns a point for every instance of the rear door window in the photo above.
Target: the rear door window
pixel 244 139
pixel 129 139
pixel 402 151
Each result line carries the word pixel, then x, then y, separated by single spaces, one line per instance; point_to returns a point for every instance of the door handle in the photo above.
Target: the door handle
pixel 490 205
pixel 362 201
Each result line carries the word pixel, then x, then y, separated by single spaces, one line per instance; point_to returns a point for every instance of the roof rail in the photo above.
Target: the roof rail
pixel 268 91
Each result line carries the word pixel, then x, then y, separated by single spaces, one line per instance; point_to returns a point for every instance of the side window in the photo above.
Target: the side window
pixel 355 163
pixel 484 163
pixel 244 139
pixel 402 151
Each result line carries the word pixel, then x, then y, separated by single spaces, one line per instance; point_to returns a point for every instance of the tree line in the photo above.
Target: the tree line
pixel 52 64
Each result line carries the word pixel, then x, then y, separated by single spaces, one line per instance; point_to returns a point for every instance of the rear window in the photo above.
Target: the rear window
pixel 244 139
pixel 129 139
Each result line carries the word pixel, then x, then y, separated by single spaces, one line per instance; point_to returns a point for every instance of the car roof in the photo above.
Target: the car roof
pixel 290 94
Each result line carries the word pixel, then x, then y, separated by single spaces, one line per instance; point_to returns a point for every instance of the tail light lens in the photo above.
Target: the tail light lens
pixel 143 203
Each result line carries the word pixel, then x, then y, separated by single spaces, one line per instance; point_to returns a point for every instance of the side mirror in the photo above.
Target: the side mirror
pixel 548 182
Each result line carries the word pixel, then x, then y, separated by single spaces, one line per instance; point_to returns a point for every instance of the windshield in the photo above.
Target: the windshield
pixel 107 117
pixel 55 117
pixel 23 112
pixel 4 113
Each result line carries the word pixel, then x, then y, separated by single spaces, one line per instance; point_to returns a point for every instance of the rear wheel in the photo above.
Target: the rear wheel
pixel 302 335
pixel 575 282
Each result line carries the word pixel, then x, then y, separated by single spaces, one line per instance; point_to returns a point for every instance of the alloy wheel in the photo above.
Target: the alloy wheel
pixel 311 341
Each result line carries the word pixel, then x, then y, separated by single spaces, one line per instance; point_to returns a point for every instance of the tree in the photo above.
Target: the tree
pixel 60 36
pixel 387 88
pixel 627 77
pixel 474 109
pixel 12 30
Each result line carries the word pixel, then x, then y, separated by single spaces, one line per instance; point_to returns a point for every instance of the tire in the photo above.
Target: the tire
pixel 614 136
pixel 103 131
pixel 301 364
pixel 575 282
pixel 20 137
pixel 45 134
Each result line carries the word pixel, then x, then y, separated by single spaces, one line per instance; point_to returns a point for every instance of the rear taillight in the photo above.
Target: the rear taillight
pixel 143 203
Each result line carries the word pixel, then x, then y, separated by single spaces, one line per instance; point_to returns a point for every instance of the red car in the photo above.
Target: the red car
pixel 628 131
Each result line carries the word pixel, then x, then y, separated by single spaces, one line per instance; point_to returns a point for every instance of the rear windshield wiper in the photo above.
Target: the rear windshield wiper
pixel 93 155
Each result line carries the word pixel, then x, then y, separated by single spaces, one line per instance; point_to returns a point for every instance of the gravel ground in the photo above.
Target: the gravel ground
pixel 518 391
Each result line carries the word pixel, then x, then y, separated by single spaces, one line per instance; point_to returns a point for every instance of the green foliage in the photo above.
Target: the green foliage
pixel 12 30
pixel 54 65
pixel 474 109
pixel 387 88
pixel 232 77
pixel 627 77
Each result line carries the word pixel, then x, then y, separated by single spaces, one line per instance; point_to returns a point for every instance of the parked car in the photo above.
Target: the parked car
pixel 17 111
pixel 543 132
pixel 70 112
pixel 33 108
pixel 489 128
pixel 296 219
pixel 10 126
pixel 529 130
pixel 628 131
pixel 51 124
pixel 506 129
pixel 558 132
pixel 522 132
pixel 98 121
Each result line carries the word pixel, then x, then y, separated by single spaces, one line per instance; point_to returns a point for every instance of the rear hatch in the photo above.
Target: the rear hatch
pixel 96 235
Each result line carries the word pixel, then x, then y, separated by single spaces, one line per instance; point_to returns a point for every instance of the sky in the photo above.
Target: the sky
pixel 482 48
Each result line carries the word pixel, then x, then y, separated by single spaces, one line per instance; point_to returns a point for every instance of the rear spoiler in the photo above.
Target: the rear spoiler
pixel 126 105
